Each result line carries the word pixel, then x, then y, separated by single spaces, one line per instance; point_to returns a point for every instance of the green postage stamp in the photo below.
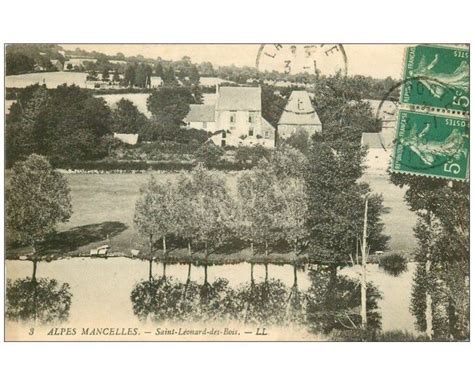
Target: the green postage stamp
pixel 436 77
pixel 432 145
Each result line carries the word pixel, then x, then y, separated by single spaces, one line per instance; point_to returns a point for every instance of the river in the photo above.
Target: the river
pixel 101 288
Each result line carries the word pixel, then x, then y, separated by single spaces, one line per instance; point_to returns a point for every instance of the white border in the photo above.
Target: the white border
pixel 241 365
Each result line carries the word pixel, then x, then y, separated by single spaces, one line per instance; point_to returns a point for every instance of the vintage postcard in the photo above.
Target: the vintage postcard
pixel 237 192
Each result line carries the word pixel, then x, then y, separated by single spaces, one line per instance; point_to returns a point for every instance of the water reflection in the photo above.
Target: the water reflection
pixel 331 303
pixel 42 300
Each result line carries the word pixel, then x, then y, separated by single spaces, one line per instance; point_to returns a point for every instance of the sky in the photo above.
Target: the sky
pixel 376 60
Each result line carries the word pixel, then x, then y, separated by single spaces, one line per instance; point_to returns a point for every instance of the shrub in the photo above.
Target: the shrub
pixel 209 154
pixel 251 154
pixel 394 264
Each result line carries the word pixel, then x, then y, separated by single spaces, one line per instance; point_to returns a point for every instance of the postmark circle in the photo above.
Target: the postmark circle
pixel 282 65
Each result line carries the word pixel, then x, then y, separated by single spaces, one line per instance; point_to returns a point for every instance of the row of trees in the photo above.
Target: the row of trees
pixel 271 204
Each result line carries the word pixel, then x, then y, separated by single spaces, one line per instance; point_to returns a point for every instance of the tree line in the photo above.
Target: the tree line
pixel 270 204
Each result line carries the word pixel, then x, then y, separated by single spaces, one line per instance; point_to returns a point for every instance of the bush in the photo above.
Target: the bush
pixel 394 264
pixel 251 154
pixel 110 165
pixel 209 154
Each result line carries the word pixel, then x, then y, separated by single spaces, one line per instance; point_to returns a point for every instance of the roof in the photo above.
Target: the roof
pixel 239 99
pixel 372 140
pixel 299 111
pixel 200 113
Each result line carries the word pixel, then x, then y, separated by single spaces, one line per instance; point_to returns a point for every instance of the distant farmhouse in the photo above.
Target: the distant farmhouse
pixel 156 81
pixel 235 119
pixel 298 115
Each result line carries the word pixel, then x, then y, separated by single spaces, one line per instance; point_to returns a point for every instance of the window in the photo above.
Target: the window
pixel 224 134
pixel 250 131
pixel 251 119
pixel 223 142
pixel 267 134
pixel 204 125
pixel 232 117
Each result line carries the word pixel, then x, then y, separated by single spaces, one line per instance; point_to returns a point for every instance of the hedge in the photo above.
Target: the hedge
pixel 144 166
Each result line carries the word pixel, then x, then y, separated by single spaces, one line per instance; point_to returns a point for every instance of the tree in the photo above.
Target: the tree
pixel 129 77
pixel 273 105
pixel 186 223
pixel 126 118
pixel 169 106
pixel 105 74
pixel 116 77
pixel 155 214
pixel 336 164
pixel 159 70
pixel 440 294
pixel 213 208
pixel 291 213
pixel 17 63
pixel 37 199
pixel 257 207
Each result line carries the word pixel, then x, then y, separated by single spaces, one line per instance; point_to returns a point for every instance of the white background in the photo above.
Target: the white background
pixel 239 365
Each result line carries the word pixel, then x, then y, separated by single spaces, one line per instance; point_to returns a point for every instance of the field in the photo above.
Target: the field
pixel 51 79
pixel 103 208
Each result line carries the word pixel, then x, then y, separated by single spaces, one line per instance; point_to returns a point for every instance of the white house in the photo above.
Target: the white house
pixel 156 81
pixel 299 114
pixel 235 119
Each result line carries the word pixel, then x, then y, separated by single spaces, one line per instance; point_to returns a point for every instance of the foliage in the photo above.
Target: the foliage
pixel 394 264
pixel 37 199
pixel 155 211
pixel 273 105
pixel 65 124
pixel 17 63
pixel 22 57
pixel 43 300
pixel 208 153
pixel 264 303
pixel 299 140
pixel 251 154
pixel 257 207
pixel 442 232
pixel 333 303
pixel 213 208
pixel 168 299
pixel 169 106
pixel 336 196
pixel 126 118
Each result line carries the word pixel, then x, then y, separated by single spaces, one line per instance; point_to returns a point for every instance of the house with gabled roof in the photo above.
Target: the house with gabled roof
pixel 298 115
pixel 235 119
